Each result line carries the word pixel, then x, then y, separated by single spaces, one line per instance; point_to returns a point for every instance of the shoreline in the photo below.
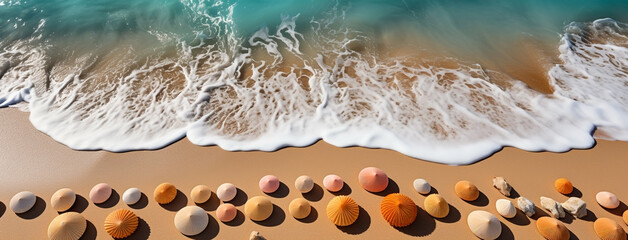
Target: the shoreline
pixel 33 161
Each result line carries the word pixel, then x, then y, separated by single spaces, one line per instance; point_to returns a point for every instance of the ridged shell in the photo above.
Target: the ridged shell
pixel 436 206
pixel 484 224
pixel 342 210
pixel 373 179
pixel 258 208
pixel 63 199
pixel 608 229
pixel 607 200
pixel 466 190
pixel 121 223
pixel 552 229
pixel 398 210
pixel 67 226
pixel 165 193
pixel 299 208
pixel 563 186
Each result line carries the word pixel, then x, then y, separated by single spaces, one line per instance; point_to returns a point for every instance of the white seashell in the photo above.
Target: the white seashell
pixel 131 196
pixel 575 206
pixel 501 185
pixel 526 206
pixel 422 186
pixel 22 202
pixel 505 208
pixel 304 184
pixel 226 192
pixel 554 207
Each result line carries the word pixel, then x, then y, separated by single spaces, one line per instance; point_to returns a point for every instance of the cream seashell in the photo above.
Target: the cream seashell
pixel 63 199
pixel 505 208
pixel 67 226
pixel 422 186
pixel 200 193
pixel 191 220
pixel 304 184
pixel 226 192
pixel 484 224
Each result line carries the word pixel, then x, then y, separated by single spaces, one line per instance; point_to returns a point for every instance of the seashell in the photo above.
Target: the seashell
pixel 22 202
pixel 100 193
pixel 484 224
pixel 422 186
pixel 466 190
pixel 607 200
pixel 625 217
pixel 201 193
pixel 269 184
pixel 398 210
pixel 563 186
pixel 436 206
pixel 373 179
pixel 342 210
pixel 67 226
pixel 299 208
pixel 501 185
pixel 575 206
pixel 191 220
pixel 526 206
pixel 226 212
pixel 121 223
pixel 165 193
pixel 552 229
pixel 505 208
pixel 608 229
pixel 226 192
pixel 333 183
pixel 255 235
pixel 554 207
pixel 131 196
pixel 63 199
pixel 258 208
pixel 304 184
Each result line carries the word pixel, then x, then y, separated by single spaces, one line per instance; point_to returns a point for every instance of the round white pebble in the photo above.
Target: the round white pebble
pixel 422 186
pixel 131 196
pixel 22 202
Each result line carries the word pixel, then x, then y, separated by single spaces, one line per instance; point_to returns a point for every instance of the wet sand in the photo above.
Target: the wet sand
pixel 35 162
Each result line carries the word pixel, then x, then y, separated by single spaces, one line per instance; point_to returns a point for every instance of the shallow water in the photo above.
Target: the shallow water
pixel 445 81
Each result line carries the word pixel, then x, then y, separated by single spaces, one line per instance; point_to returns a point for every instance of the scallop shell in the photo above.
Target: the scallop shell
pixel 563 186
pixel 422 186
pixel 304 184
pixel 373 179
pixel 269 184
pixel 436 206
pixel 100 193
pixel 552 229
pixel 201 193
pixel 398 210
pixel 191 220
pixel 22 202
pixel 226 192
pixel 466 190
pixel 484 224
pixel 608 229
pixel 607 200
pixel 226 212
pixel 67 226
pixel 299 208
pixel 121 223
pixel 342 210
pixel 505 208
pixel 258 208
pixel 131 196
pixel 333 183
pixel 63 199
pixel 165 193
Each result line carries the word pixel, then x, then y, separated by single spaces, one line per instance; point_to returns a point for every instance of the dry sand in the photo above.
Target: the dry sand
pixel 33 161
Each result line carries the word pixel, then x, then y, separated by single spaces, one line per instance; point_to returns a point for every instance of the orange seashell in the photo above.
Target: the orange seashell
pixel 398 210
pixel 466 190
pixel 563 186
pixel 608 229
pixel 625 216
pixel 552 229
pixel 342 210
pixel 165 193
pixel 121 223
pixel 436 206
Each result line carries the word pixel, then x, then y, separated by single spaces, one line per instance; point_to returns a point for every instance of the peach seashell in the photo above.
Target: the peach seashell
pixel 625 217
pixel 299 208
pixel 191 220
pixel 226 212
pixel 100 193
pixel 484 224
pixel 200 193
pixel 563 186
pixel 165 193
pixel 436 206
pixel 131 196
pixel 269 184
pixel 398 210
pixel 226 192
pixel 304 184
pixel 121 223
pixel 373 179
pixel 552 229
pixel 258 208
pixel 63 199
pixel 67 226
pixel 608 229
pixel 466 190
pixel 342 210
pixel 22 202
pixel 333 183
pixel 607 200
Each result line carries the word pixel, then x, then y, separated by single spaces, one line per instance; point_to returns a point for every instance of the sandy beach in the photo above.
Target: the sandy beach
pixel 33 161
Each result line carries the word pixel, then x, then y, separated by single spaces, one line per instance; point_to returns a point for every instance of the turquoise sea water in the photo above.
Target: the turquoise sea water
pixel 420 77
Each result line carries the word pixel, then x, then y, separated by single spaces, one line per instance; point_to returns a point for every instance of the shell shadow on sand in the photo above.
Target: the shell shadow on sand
pixel 111 201
pixel 141 233
pixel 90 232
pixel 80 204
pixel 179 202
pixel 423 225
pixel 360 225
pixel 210 232
pixel 314 195
pixel 142 203
pixel 275 219
pixel 35 211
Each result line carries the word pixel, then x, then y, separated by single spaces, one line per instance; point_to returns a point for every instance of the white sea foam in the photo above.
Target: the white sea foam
pixel 286 88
